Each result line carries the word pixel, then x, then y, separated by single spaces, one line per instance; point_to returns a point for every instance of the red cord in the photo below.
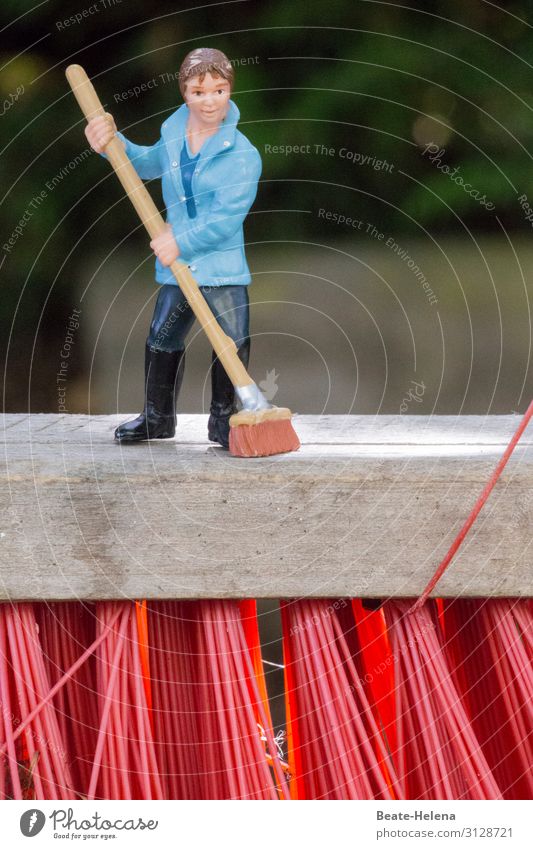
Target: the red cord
pixel 475 511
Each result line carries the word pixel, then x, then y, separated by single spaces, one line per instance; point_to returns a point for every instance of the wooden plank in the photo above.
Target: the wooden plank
pixel 368 506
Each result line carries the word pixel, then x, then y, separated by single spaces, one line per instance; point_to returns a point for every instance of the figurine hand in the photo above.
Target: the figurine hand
pixel 165 246
pixel 100 131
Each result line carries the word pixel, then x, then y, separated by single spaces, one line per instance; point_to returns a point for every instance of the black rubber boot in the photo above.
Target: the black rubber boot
pixel 163 372
pixel 223 398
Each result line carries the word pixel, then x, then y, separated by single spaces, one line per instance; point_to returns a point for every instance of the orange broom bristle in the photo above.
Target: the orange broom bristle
pixel 273 436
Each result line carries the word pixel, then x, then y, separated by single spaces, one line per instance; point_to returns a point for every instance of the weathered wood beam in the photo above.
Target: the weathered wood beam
pixel 368 506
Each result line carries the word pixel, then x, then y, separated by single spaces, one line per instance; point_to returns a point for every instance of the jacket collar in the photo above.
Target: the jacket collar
pixel 173 131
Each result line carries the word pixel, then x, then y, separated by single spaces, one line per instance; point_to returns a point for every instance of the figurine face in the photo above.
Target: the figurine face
pixel 207 99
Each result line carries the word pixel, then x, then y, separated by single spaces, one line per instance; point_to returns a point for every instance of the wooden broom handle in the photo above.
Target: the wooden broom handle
pixel 225 348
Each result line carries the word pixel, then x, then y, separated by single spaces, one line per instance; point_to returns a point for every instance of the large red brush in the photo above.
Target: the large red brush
pixel 259 429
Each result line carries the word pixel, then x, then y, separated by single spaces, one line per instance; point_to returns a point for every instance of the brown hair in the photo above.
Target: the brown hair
pixel 202 61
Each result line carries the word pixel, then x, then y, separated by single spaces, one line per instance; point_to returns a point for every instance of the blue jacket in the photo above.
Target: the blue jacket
pixel 224 186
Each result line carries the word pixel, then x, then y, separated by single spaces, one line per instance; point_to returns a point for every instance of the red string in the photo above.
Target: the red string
pixel 475 511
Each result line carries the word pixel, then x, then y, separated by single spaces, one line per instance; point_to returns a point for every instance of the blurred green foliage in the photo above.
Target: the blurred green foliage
pixel 377 79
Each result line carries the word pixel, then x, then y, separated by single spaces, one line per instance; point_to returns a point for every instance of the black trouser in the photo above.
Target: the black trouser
pixel 172 320
pixel 173 317
pixel 165 361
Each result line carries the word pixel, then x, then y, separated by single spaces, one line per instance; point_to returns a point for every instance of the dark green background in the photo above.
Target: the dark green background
pixel 378 78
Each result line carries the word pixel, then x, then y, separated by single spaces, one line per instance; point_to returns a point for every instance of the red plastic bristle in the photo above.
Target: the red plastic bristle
pixel 275 436
pixel 342 751
pixel 489 644
pixel 437 753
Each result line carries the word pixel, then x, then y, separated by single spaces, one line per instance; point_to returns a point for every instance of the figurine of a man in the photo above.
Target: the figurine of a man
pixel 209 172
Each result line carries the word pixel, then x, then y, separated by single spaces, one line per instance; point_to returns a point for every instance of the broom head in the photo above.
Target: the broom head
pixel 262 433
